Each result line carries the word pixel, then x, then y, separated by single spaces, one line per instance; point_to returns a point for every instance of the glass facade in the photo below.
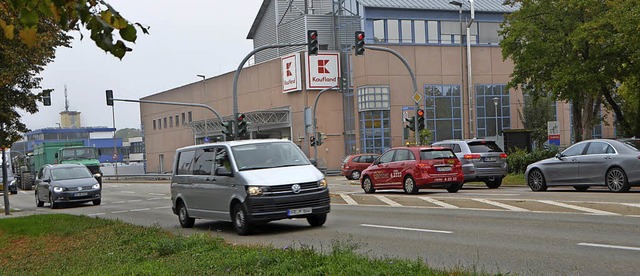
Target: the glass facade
pixel 443 111
pixel 492 109
pixel 373 107
pixel 443 32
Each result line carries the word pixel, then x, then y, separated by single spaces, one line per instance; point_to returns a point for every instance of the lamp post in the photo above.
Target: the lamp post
pixel 495 106
pixel 459 4
pixel 206 128
pixel 472 131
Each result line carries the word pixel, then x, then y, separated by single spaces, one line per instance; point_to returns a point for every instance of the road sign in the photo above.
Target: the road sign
pixel 115 156
pixel 416 97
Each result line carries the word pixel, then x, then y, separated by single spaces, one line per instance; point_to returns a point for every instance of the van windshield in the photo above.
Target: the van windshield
pixel 268 155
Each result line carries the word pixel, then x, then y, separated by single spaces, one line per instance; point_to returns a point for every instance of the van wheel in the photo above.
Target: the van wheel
pixel 183 216
pixel 39 203
pixel 240 220
pixel 367 185
pixel 97 201
pixel 410 186
pixel 317 220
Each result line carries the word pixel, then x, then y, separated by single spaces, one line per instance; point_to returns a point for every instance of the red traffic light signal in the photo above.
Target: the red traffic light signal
pixel 359 43
pixel 420 113
pixel 312 42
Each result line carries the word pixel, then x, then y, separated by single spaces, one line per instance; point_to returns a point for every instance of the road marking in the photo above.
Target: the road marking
pixel 501 205
pixel 97 214
pixel 163 207
pixel 579 208
pixel 156 194
pixel 348 199
pixel 154 198
pixel 631 204
pixel 610 246
pixel 135 200
pixel 479 194
pixel 117 202
pixel 118 212
pixel 127 192
pixel 388 201
pixel 138 210
pixel 406 228
pixel 438 202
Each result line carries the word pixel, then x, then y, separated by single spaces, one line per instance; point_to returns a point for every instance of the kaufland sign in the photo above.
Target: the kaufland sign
pixel 291 77
pixel 323 70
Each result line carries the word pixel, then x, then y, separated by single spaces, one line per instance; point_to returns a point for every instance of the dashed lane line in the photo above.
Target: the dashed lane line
pixel 501 205
pixel 118 212
pixel 140 210
pixel 438 202
pixel 579 208
pixel 631 204
pixel 388 201
pixel 128 192
pixel 163 207
pixel 610 246
pixel 348 199
pixel 406 228
pixel 97 214
pixel 156 194
pixel 135 200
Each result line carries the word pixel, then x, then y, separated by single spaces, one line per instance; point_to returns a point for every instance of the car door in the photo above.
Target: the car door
pixel 403 164
pixel 381 170
pixel 594 164
pixel 42 188
pixel 203 191
pixel 566 169
pixel 224 184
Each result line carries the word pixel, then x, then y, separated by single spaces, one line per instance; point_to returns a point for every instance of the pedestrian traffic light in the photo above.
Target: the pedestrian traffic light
pixel 312 42
pixel 46 97
pixel 242 125
pixel 109 97
pixel 412 123
pixel 228 130
pixel 312 140
pixel 420 119
pixel 319 138
pixel 359 43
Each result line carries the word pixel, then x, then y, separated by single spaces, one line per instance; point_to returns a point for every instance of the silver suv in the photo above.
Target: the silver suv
pixel 482 160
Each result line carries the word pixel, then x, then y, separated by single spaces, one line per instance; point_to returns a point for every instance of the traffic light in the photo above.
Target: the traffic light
pixel 359 43
pixel 242 125
pixel 319 138
pixel 109 97
pixel 46 97
pixel 312 140
pixel 228 129
pixel 420 119
pixel 312 42
pixel 412 123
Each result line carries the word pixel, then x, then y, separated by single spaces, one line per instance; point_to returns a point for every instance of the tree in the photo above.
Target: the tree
pixel 96 16
pixel 535 114
pixel 569 48
pixel 126 133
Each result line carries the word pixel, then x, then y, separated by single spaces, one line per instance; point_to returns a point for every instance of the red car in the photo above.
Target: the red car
pixel 413 168
pixel 353 165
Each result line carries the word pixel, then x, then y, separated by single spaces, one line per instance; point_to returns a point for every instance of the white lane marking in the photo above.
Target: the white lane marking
pixel 138 210
pixel 135 200
pixel 610 246
pixel 163 207
pixel 348 199
pixel 117 202
pixel 406 228
pixel 388 201
pixel 156 194
pixel 479 194
pixel 154 198
pixel 118 212
pixel 631 204
pixel 579 208
pixel 501 205
pixel 97 214
pixel 438 202
pixel 127 192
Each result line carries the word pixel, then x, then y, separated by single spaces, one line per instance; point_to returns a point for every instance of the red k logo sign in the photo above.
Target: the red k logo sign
pixel 322 66
pixel 288 68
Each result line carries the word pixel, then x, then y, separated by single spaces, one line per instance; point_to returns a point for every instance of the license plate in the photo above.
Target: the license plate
pixel 443 169
pixel 297 212
pixel 490 159
pixel 80 194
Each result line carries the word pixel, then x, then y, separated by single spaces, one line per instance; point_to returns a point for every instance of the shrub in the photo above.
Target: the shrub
pixel 520 159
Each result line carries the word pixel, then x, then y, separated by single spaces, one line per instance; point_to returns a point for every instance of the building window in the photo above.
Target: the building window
pixel 170 121
pixel 190 117
pixel 373 107
pixel 373 98
pixel 488 113
pixel 420 32
pixel 407 32
pixel 184 120
pixel 165 122
pixel 159 123
pixel 432 31
pixel 154 124
pixel 449 32
pixel 488 33
pixel 393 35
pixel 378 31
pixel 177 121
pixel 443 111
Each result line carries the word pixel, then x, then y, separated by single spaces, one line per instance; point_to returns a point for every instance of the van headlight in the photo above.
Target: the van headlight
pixel 95 186
pixel 255 191
pixel 322 183
pixel 57 189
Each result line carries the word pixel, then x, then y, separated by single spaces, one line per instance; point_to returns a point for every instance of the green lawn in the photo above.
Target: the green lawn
pixel 77 245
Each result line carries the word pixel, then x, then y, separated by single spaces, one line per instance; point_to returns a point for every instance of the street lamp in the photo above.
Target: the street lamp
pixel 495 106
pixel 206 128
pixel 469 71
pixel 459 4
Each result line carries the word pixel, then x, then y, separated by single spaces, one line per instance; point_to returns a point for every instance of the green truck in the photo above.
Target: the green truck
pixel 66 152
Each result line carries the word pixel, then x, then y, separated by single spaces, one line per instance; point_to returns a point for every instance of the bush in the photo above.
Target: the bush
pixel 520 159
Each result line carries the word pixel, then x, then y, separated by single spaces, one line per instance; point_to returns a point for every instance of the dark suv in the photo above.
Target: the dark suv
pixel 482 160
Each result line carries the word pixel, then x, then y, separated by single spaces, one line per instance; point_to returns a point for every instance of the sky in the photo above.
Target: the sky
pixel 187 38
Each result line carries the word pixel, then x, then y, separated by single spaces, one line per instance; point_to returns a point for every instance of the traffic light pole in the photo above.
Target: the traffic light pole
pixel 315 104
pixel 413 78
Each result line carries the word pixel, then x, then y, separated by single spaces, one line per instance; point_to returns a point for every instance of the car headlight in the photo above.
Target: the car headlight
pixel 97 175
pixel 95 186
pixel 255 191
pixel 57 189
pixel 322 183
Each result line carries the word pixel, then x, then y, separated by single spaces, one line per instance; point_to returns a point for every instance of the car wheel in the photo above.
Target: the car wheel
pixel 367 185
pixel 455 187
pixel 183 216
pixel 348 177
pixel 536 181
pixel 617 180
pixel 52 203
pixel 97 201
pixel 410 185
pixel 355 175
pixel 581 188
pixel 39 203
pixel 317 220
pixel 240 221
pixel 493 182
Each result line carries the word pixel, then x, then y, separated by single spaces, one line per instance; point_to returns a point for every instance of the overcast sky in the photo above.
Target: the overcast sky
pixel 187 38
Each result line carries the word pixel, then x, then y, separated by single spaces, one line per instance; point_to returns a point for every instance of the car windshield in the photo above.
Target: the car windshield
pixel 268 155
pixel 436 154
pixel 483 146
pixel 78 153
pixel 635 144
pixel 70 173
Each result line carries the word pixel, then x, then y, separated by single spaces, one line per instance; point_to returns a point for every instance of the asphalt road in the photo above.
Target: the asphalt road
pixel 511 229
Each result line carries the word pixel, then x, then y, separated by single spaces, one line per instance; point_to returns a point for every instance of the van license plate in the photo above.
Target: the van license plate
pixel 80 194
pixel 301 211
pixel 443 169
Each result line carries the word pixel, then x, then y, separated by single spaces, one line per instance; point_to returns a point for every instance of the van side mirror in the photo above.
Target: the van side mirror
pixel 222 171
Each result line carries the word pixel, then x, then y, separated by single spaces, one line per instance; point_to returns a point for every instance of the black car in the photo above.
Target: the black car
pixel 63 183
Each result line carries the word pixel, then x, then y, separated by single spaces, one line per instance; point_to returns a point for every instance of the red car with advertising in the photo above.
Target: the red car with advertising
pixel 414 168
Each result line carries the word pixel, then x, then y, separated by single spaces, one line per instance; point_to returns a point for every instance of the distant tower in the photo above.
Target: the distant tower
pixel 69 119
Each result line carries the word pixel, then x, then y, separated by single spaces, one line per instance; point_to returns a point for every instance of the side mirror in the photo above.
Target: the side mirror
pixel 559 155
pixel 222 171
pixel 47 180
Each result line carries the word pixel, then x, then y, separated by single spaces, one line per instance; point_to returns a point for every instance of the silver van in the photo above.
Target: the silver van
pixel 247 182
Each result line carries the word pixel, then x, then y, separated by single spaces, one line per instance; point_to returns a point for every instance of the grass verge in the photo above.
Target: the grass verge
pixel 58 244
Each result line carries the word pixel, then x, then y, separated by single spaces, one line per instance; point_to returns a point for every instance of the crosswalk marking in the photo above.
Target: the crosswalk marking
pixel 438 202
pixel 501 205
pixel 388 201
pixel 579 208
pixel 348 199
